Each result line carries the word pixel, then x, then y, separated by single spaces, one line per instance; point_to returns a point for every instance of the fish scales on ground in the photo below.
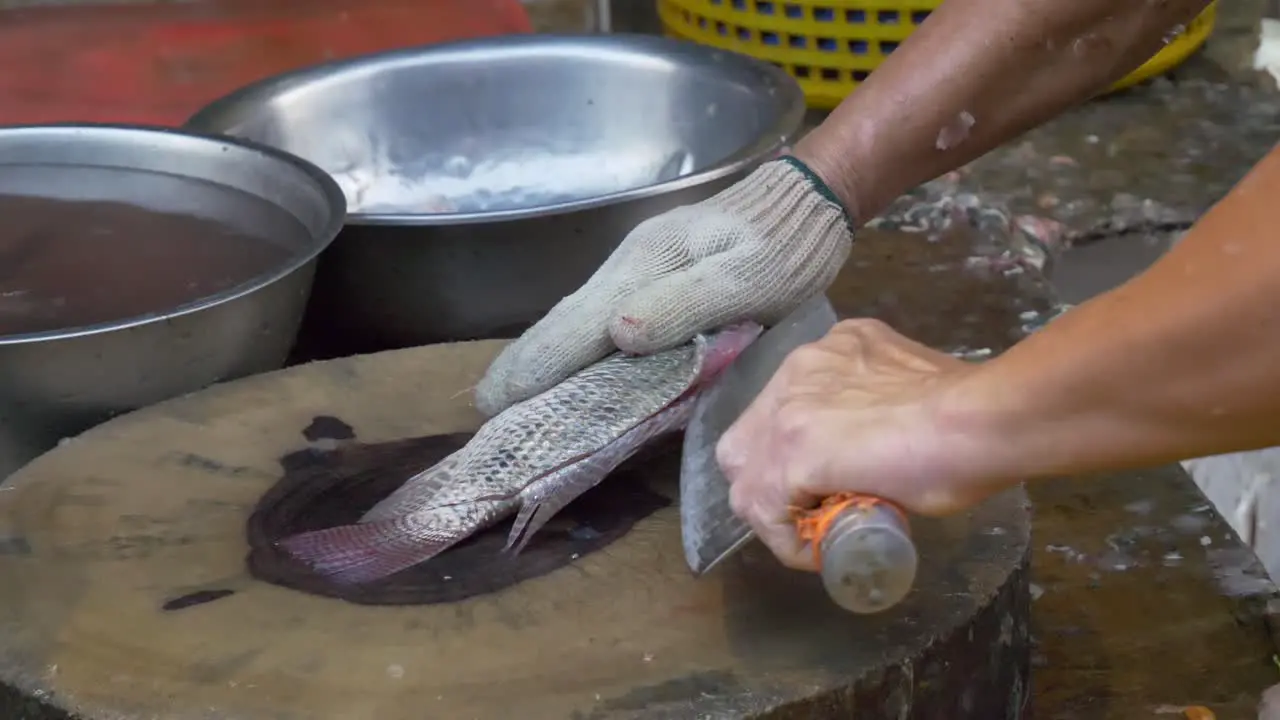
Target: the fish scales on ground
pixel 532 459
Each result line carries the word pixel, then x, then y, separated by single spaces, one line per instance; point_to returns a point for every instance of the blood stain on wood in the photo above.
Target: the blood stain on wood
pixel 200 597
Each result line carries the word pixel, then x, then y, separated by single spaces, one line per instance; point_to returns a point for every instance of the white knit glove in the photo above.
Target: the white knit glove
pixel 754 251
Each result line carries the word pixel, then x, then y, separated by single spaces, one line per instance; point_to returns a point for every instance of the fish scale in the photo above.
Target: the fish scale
pixel 537 436
pixel 534 458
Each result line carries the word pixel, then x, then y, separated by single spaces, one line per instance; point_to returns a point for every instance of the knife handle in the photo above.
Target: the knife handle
pixel 862 546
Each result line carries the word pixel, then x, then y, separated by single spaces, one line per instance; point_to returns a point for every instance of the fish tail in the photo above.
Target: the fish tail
pixel 364 552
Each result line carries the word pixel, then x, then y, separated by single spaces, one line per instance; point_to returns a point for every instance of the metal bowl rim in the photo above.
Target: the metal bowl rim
pixel 327 185
pixel 770 143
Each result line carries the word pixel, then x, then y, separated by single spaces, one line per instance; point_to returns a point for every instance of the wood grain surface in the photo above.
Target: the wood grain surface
pixel 126 594
pixel 1145 601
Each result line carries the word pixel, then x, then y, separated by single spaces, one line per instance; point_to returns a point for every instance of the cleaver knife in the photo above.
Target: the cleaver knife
pixel 863 545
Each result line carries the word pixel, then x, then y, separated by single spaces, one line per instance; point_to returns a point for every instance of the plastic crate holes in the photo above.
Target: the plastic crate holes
pixel 830 48
pixel 855 21
pixel 847 41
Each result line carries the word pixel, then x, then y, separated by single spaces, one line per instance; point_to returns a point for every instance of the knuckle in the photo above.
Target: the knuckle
pixel 648 227
pixel 739 502
pixel 803 360
pixel 792 423
pixel 728 457
pixel 782 543
pixel 866 327
pixel 676 220
pixel 794 562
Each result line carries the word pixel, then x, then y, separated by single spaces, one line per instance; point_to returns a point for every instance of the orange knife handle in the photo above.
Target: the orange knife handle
pixel 812 525
pixel 863 550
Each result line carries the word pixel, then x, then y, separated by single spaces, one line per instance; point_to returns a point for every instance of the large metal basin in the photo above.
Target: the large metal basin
pixel 487 179
pixel 58 384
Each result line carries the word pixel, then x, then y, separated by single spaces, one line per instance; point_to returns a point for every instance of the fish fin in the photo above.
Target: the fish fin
pixel 518 538
pixel 546 497
pixel 363 552
pixel 533 516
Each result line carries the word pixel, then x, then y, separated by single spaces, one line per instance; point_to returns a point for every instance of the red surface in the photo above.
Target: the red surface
pixel 157 64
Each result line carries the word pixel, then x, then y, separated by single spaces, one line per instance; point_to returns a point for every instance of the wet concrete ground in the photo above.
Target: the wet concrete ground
pixel 1126 174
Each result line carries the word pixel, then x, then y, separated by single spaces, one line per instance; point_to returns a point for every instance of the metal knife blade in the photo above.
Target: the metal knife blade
pixel 709 529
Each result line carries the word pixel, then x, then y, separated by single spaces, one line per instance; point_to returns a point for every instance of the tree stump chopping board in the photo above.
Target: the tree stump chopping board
pixel 126 593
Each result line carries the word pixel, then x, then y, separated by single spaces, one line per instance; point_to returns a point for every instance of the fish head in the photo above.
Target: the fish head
pixel 721 347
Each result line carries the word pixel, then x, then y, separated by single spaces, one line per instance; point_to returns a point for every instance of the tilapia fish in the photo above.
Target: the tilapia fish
pixel 532 459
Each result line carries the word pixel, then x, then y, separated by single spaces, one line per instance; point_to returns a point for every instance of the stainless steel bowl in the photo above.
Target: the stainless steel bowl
pixel 58 384
pixel 487 179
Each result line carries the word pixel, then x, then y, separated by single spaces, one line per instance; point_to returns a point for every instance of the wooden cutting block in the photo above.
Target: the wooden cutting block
pixel 125 593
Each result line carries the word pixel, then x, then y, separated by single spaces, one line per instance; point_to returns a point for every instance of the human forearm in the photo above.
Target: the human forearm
pixel 1183 361
pixel 974 75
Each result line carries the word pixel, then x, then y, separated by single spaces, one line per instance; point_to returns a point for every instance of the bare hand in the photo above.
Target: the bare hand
pixel 864 410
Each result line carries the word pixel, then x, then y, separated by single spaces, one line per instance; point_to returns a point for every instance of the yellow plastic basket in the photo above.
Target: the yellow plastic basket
pixel 829 46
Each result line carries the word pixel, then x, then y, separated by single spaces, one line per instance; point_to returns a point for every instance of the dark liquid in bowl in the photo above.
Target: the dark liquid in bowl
pixel 71 263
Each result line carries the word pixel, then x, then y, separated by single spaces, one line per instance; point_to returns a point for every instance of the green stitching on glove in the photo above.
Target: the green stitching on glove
pixel 818 184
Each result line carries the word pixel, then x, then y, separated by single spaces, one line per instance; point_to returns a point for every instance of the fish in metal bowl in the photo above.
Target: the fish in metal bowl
pixel 487 179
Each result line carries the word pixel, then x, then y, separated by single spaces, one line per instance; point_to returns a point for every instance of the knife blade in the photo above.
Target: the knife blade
pixel 862 545
pixel 710 531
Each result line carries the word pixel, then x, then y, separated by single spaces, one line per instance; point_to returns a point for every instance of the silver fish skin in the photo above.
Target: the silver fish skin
pixel 532 459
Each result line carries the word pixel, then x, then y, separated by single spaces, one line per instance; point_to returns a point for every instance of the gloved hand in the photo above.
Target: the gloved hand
pixel 754 251
pixel 862 410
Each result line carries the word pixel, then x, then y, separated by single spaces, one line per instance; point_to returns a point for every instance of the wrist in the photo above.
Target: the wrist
pixel 977 418
pixel 831 155
pixel 819 184
pixel 1055 406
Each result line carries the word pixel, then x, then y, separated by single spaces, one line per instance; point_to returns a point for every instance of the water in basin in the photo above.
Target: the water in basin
pixel 98 245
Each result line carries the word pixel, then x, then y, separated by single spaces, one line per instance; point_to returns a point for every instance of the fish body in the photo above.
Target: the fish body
pixel 532 459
